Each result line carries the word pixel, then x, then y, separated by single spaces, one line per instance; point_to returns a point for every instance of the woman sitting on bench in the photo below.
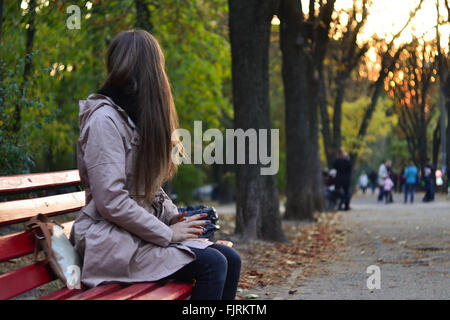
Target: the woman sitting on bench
pixel 129 230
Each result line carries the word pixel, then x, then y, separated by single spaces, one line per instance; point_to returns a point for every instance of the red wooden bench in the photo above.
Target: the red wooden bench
pixel 19 281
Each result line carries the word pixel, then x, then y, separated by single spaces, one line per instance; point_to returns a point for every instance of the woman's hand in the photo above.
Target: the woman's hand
pixel 188 228
pixel 178 218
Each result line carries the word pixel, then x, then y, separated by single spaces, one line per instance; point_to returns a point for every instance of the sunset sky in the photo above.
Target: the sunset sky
pixel 388 16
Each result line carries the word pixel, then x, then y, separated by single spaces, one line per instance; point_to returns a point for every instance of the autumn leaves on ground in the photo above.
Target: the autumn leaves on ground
pixel 266 263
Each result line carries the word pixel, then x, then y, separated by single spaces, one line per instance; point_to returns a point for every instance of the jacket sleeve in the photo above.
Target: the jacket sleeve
pixel 104 157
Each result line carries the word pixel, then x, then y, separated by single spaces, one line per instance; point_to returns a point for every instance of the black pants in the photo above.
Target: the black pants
pixel 429 190
pixel 216 271
pixel 344 191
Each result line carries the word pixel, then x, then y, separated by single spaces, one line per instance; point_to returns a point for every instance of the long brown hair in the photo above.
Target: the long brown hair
pixel 136 64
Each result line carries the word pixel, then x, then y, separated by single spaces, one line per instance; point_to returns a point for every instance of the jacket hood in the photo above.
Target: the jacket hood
pixel 94 102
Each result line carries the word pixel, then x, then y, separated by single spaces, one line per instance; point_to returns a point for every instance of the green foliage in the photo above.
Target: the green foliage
pixel 198 60
pixel 397 149
pixel 381 124
pixel 71 65
pixel 15 154
pixel 188 178
pixel 198 64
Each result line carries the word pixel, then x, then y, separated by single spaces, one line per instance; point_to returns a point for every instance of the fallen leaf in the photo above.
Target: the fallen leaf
pixel 262 283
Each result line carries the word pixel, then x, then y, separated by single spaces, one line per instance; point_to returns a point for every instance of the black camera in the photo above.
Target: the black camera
pixel 211 216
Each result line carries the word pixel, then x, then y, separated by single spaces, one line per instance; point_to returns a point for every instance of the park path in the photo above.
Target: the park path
pixel 409 243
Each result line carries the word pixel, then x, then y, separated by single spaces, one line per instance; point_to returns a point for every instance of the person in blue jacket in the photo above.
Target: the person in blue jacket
pixel 410 181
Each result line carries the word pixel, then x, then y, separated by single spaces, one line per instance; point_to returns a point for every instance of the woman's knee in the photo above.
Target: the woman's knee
pixel 213 263
pixel 233 258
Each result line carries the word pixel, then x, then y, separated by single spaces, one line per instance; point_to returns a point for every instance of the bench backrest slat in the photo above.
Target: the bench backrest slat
pixel 24 279
pixel 23 210
pixel 16 245
pixel 22 243
pixel 35 181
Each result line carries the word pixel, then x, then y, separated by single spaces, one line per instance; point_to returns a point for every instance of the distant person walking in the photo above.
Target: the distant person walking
pixel 343 168
pixel 373 180
pixel 429 179
pixel 402 181
pixel 388 185
pixel 393 178
pixel 363 182
pixel 410 175
pixel 383 172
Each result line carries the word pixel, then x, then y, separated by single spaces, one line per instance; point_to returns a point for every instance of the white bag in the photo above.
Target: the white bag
pixel 60 254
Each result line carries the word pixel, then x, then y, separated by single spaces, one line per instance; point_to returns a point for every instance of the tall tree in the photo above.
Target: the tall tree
pixel 342 59
pixel 411 84
pixel 1 19
pixel 1 60
pixel 389 57
pixel 143 15
pixel 31 30
pixel 257 206
pixel 345 55
pixel 444 75
pixel 303 42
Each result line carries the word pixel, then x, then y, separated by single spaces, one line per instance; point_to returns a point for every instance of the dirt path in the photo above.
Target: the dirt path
pixel 409 243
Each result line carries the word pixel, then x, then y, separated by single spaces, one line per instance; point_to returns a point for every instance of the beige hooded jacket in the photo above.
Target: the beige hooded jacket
pixel 120 236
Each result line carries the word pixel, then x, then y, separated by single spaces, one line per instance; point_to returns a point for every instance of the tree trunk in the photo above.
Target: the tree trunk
pixel 257 206
pixel 1 19
pixel 447 107
pixel 2 71
pixel 368 114
pixel 142 16
pixel 444 92
pixel 337 112
pixel 325 121
pixel 387 64
pixel 446 85
pixel 436 144
pixel 422 136
pixel 28 60
pixel 301 92
pixel 314 169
